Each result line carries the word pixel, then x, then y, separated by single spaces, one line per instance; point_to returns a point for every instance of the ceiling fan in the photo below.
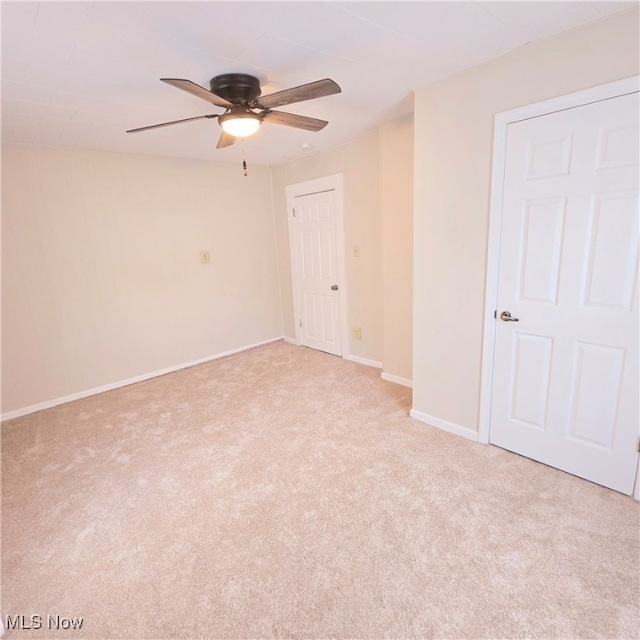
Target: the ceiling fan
pixel 246 109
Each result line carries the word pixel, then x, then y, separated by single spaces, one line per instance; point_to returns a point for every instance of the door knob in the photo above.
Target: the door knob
pixel 505 316
pixel 334 287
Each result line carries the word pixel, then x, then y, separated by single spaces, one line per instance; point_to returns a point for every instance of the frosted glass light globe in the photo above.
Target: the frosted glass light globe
pixel 240 125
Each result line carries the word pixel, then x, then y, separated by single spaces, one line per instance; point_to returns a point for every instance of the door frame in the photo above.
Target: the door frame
pixel 501 122
pixel 333 183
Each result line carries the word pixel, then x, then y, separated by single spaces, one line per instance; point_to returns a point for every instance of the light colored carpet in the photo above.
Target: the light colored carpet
pixel 285 493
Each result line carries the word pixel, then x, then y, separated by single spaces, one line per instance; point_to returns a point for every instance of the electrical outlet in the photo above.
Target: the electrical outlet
pixel 205 257
pixel 357 332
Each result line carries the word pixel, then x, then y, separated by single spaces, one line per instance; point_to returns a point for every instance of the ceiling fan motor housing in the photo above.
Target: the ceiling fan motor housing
pixel 236 87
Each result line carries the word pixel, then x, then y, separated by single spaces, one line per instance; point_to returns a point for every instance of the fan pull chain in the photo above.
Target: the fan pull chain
pixel 244 162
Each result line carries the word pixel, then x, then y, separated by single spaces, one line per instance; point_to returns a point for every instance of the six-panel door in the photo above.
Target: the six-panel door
pixel 316 247
pixel 565 388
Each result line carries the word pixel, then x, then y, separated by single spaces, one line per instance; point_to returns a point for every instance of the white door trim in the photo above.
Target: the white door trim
pixel 333 182
pixel 501 122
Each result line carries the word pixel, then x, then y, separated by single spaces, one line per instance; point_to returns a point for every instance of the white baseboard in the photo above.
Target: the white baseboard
pixel 405 382
pixel 456 429
pixel 352 358
pixel 17 413
pixel 365 361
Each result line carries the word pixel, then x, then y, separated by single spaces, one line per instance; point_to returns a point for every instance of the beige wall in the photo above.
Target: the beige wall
pixel 359 162
pixel 101 272
pixel 453 153
pixel 396 187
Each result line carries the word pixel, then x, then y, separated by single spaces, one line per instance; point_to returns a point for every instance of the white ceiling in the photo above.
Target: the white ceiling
pixel 81 73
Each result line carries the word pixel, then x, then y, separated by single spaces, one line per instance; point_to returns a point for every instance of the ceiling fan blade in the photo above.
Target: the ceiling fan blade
pixel 167 124
pixel 309 91
pixel 226 140
pixel 293 120
pixel 196 90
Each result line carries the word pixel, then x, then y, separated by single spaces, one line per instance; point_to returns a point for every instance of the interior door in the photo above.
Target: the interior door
pixel 565 387
pixel 315 233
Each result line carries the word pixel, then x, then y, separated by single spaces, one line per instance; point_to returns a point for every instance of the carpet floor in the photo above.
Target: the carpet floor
pixel 285 493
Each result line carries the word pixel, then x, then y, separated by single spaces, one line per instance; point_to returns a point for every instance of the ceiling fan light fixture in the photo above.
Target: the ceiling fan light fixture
pixel 246 109
pixel 240 124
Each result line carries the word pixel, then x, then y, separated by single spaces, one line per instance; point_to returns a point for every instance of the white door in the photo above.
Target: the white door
pixel 565 386
pixel 318 294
